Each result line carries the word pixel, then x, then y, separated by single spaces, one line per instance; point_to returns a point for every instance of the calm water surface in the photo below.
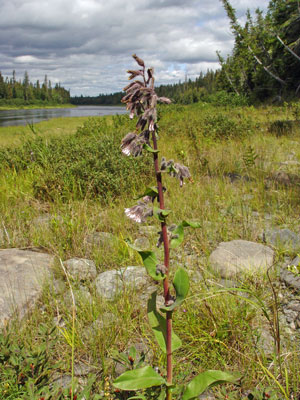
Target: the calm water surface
pixel 23 117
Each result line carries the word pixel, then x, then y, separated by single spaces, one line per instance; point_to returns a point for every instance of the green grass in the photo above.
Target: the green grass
pixel 219 327
pixel 13 136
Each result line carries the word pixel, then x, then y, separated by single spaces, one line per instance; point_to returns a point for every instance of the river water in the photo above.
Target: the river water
pixel 23 117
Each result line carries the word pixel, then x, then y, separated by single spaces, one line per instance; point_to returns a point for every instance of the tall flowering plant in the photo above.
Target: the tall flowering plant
pixel 141 101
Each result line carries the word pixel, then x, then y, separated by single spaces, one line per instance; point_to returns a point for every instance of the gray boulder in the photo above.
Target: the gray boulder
pixel 23 274
pixel 81 269
pixel 282 238
pixel 238 257
pixel 110 284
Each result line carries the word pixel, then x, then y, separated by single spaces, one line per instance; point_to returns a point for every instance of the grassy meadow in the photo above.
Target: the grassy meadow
pixel 73 169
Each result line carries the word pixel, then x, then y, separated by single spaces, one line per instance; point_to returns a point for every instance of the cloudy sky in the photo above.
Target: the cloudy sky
pixel 87 44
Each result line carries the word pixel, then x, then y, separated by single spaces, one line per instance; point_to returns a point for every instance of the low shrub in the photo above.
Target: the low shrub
pixel 281 127
pixel 220 126
pixel 87 164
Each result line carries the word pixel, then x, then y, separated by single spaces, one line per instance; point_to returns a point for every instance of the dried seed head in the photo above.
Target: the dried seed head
pixel 183 172
pixel 132 144
pixel 161 269
pixel 164 100
pixel 170 229
pixel 138 60
pixel 139 212
pixel 126 143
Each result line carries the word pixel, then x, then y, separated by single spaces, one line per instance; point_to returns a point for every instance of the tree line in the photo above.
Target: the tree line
pixel 22 92
pixel 265 61
pixel 182 92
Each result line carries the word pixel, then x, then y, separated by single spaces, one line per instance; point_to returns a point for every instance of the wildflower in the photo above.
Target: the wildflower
pixel 138 60
pixel 183 172
pixel 140 212
pixel 161 269
pixel 170 229
pixel 132 144
pixel 176 170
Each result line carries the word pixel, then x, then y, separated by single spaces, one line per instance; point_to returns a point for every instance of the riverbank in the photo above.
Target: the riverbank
pixel 35 106
pixel 13 136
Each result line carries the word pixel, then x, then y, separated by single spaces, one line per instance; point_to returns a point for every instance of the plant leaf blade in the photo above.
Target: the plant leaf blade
pixel 181 285
pixel 141 378
pixel 159 326
pixel 150 263
pixel 206 379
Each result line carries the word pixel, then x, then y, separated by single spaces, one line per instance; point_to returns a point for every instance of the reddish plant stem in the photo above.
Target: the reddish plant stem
pixel 167 265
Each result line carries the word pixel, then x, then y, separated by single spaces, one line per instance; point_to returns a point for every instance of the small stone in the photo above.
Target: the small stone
pixel 110 284
pixel 294 305
pixel 59 321
pixel 63 381
pixel 292 325
pixel 290 162
pixel 101 239
pixel 81 269
pixel 59 286
pixel 235 258
pixel 81 295
pixel 297 323
pixel 81 369
pixel 206 396
pixel 290 279
pixel 285 238
pixel 46 220
pixel 142 243
pixel 247 197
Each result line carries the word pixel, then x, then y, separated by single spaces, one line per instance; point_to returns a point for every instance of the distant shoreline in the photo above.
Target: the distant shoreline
pixel 69 105
pixel 35 106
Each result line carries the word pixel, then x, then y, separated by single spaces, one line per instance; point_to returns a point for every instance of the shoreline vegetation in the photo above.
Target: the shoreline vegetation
pixel 35 106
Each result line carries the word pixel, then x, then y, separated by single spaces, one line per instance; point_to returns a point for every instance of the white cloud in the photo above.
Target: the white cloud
pixel 86 44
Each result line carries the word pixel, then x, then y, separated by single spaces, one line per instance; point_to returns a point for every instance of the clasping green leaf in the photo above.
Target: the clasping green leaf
pixel 178 233
pixel 141 378
pixel 181 285
pixel 159 326
pixel 206 379
pixel 160 214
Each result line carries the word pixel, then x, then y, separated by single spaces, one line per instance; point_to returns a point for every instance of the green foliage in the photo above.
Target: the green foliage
pixel 150 263
pixel 181 285
pixel 178 233
pixel 281 127
pixel 22 370
pixel 141 378
pixel 228 99
pixel 265 60
pixel 249 157
pixel 221 126
pixel 88 164
pixel 158 325
pixel 204 380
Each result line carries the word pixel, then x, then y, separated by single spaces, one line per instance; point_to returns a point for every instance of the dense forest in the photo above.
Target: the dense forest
pixel 23 92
